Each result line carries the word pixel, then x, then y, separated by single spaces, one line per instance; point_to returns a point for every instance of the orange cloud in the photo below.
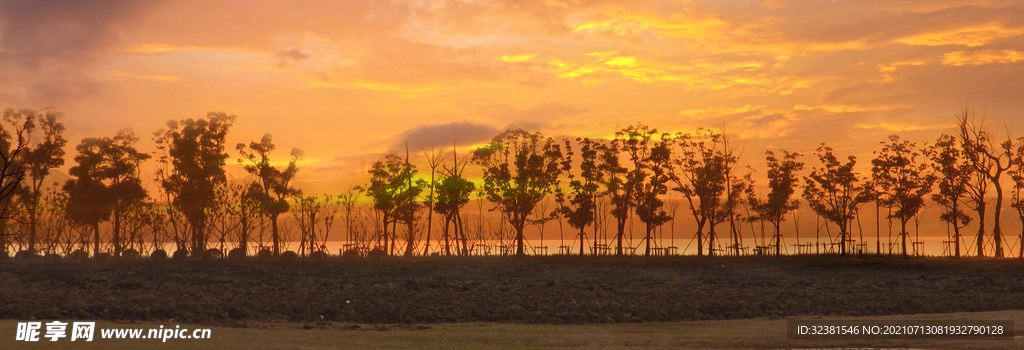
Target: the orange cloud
pixel 980 57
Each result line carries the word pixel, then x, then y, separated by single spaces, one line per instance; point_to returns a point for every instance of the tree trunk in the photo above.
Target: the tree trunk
pixel 275 235
pixel 3 239
pixel 981 228
pixel 778 240
pixel 647 237
pixel 581 239
pixel 997 233
pixel 519 240
pixel 711 240
pixel 117 233
pixel 904 234
pixel 32 230
pixel 96 238
pixel 621 226
pixel 445 233
pixel 956 236
pixel 411 239
pixel 462 232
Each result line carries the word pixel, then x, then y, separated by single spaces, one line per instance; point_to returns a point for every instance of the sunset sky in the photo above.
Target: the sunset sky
pixel 349 80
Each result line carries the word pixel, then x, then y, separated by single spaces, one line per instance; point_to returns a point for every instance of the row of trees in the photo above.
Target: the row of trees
pixel 637 168
pixel 195 198
pixel 627 176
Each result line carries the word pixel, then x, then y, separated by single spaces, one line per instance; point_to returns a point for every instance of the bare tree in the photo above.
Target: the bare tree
pixel 15 135
pixel 434 159
pixel 990 162
pixel 1017 174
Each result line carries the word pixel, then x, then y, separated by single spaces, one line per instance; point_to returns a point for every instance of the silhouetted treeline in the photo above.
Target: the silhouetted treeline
pixel 594 187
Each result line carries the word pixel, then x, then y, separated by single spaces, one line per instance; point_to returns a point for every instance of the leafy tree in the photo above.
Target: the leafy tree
pixel 452 193
pixel 782 183
pixel 39 159
pixel 703 171
pixel 903 179
pixel 949 161
pixel 520 169
pixel 106 183
pixel 620 195
pixel 193 160
pixel 15 135
pixel 585 189
pixel 834 191
pixel 648 176
pixel 273 181
pixel 391 189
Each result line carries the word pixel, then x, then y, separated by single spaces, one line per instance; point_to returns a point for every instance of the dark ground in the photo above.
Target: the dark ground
pixel 528 290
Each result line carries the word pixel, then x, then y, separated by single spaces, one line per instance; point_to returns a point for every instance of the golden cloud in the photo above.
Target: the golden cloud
pixel 971 37
pixel 518 58
pixel 980 57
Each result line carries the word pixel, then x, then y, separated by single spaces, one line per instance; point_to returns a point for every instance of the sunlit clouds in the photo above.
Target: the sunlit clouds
pixel 347 81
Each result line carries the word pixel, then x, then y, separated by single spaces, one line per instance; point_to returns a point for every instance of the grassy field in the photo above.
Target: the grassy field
pixel 729 334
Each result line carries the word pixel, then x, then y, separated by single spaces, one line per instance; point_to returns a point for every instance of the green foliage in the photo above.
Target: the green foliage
pixel 520 168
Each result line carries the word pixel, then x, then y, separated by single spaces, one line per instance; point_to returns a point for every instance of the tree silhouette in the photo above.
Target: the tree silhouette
pixel 971 141
pixel 702 172
pixel 193 160
pixel 390 188
pixel 583 198
pixel 452 193
pixel 990 162
pixel 649 175
pixel 620 195
pixel 1016 174
pixel 106 183
pixel 949 161
pixel 241 204
pixel 273 181
pixel 39 159
pixel 520 168
pixel 903 179
pixel 434 159
pixel 15 134
pixel 834 191
pixel 782 183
